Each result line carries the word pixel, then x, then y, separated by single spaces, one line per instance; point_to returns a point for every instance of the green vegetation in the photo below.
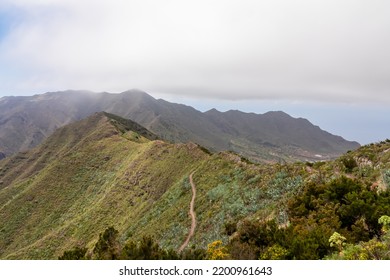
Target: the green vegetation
pixel 75 254
pixel 104 188
pixel 337 241
pixel 349 163
pixel 377 248
pixel 109 247
pixel 216 251
pixel 316 216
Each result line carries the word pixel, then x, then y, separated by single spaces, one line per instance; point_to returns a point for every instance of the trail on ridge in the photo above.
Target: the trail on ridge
pixel 192 214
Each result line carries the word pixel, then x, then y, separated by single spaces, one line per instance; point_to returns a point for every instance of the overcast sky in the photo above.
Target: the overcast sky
pixel 326 60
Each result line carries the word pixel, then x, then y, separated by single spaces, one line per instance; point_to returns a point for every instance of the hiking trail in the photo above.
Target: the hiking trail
pixel 192 214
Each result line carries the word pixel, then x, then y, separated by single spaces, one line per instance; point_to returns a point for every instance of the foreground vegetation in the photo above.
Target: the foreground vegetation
pixel 334 210
pixel 317 216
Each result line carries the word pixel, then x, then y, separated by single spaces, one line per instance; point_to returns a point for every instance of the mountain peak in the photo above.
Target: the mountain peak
pixel 125 125
pixel 137 93
pixel 277 114
pixel 212 111
pixel 98 126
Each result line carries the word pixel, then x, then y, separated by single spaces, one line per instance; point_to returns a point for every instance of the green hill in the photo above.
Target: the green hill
pixel 85 177
pixel 107 171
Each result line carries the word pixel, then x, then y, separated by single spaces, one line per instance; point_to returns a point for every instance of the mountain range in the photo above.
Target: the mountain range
pixel 26 121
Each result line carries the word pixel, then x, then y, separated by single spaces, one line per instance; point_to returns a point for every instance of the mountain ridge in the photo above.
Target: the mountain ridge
pixel 84 176
pixel 26 121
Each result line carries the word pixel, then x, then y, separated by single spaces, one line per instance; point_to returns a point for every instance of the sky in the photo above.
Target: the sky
pixel 324 60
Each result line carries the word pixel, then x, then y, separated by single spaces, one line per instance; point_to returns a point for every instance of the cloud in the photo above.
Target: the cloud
pixel 334 51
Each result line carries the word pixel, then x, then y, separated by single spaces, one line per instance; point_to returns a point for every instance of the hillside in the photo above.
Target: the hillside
pixel 27 121
pixel 86 176
pixel 106 171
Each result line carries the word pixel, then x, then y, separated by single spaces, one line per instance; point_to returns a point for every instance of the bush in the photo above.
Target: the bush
pixel 107 247
pixel 274 252
pixel 194 254
pixel 230 227
pixel 216 251
pixel 75 254
pixel 349 163
pixel 147 249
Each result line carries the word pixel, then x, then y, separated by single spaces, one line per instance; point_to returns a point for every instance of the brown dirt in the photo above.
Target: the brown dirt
pixel 192 214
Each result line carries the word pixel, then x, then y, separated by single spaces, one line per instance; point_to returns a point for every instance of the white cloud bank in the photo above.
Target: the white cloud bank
pixel 318 50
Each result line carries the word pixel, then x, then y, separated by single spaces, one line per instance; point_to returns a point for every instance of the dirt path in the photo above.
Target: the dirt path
pixel 192 214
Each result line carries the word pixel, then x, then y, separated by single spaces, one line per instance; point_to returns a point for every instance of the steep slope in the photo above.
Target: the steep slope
pixel 86 176
pixel 26 121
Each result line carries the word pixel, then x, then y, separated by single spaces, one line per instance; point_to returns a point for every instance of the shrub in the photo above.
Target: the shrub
pixel 349 163
pixel 274 252
pixel 107 247
pixel 385 222
pixel 230 227
pixel 337 241
pixel 75 254
pixel 147 249
pixel 216 251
